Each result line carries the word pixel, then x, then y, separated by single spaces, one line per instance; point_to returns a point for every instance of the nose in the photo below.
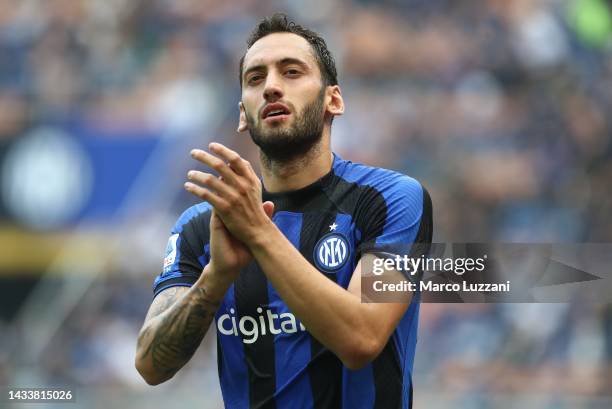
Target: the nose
pixel 273 90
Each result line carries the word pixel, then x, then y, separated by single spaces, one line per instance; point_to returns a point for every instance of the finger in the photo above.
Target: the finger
pixel 232 157
pixel 211 181
pixel 206 195
pixel 215 221
pixel 215 163
pixel 268 208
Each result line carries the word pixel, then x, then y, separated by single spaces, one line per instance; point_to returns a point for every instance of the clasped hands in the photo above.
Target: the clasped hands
pixel 236 194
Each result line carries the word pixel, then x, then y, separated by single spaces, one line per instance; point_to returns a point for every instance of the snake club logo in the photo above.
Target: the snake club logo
pixel 331 252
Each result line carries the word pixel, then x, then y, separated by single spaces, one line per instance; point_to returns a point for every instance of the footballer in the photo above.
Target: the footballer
pixel 275 263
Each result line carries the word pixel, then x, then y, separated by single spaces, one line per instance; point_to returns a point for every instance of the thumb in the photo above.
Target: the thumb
pixel 268 208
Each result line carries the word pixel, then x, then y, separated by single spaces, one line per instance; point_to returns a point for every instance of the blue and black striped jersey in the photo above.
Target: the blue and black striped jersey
pixel 266 357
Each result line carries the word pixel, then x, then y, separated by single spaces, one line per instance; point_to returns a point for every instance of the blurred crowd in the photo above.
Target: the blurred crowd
pixel 502 109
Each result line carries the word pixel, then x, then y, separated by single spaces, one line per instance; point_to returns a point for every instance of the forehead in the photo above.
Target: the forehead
pixel 277 46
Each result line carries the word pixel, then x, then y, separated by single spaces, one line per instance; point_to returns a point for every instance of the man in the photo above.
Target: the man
pixel 278 266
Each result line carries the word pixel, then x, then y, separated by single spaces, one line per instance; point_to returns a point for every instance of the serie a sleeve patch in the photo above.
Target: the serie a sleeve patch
pixel 170 253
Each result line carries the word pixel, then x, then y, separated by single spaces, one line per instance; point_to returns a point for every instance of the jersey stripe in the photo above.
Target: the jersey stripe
pixel 251 292
pixel 325 369
pixel 232 372
pixel 358 388
pixel 387 376
pixel 292 350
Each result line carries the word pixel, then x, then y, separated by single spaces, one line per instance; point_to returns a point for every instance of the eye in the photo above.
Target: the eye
pixel 292 72
pixel 253 79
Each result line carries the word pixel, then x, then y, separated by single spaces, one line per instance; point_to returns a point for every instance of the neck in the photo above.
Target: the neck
pixel 299 172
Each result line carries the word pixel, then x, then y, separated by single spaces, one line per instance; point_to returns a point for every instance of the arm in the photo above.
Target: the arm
pixel 355 332
pixel 175 325
pixel 179 317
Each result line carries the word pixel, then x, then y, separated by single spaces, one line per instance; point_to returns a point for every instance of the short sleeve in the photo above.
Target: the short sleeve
pixel 187 251
pixel 402 218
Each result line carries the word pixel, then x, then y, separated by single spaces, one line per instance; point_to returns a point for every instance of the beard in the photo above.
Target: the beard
pixel 284 144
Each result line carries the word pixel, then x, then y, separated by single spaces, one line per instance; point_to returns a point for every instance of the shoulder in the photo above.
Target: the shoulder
pixel 391 207
pixel 198 214
pixel 394 187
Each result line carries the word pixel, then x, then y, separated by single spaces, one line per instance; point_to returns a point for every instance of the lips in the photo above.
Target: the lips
pixel 275 110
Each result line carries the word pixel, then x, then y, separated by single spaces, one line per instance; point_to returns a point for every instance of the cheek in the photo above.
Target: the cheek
pixel 250 112
pixel 250 104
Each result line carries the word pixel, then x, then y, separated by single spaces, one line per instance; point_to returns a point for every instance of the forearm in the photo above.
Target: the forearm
pixel 331 314
pixel 167 342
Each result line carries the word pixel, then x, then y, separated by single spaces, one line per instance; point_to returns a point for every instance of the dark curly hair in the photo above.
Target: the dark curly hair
pixel 278 23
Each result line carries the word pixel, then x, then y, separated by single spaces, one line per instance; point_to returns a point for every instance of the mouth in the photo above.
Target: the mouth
pixel 275 112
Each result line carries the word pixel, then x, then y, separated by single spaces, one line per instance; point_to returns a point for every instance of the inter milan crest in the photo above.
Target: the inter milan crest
pixel 331 251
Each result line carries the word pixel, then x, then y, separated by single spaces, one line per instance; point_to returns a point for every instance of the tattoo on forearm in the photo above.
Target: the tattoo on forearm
pixel 168 298
pixel 178 332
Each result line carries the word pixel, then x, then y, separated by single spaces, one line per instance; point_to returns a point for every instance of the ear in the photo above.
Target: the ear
pixel 335 103
pixel 242 122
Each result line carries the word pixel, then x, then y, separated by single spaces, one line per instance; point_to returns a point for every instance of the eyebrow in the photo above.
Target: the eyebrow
pixel 284 61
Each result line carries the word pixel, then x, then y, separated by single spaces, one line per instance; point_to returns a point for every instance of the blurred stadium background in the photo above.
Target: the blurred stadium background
pixel 501 108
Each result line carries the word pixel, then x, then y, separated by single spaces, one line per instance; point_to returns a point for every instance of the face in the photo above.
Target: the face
pixel 284 102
